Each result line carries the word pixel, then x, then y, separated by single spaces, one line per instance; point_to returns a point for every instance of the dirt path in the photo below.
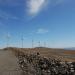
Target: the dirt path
pixel 8 63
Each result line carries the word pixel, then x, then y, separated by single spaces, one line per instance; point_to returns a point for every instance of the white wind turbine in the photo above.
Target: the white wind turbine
pixel 8 38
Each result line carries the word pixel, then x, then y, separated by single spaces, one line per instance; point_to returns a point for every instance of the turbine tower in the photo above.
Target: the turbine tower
pixel 22 39
pixel 8 38
pixel 32 43
pixel 39 44
pixel 44 44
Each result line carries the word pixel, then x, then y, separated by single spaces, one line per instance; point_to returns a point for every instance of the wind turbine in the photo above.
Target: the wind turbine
pixel 32 43
pixel 22 39
pixel 8 38
pixel 39 44
pixel 44 44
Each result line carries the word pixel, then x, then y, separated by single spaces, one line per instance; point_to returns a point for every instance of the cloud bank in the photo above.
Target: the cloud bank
pixel 42 31
pixel 35 6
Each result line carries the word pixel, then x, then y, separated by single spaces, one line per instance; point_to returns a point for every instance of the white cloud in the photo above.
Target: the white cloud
pixel 34 6
pixel 41 31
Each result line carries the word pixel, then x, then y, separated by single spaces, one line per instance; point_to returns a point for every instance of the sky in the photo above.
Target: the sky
pixel 50 22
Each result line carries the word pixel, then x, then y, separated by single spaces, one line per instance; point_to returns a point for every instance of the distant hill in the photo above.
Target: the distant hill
pixel 72 48
pixel 40 47
pixel 66 54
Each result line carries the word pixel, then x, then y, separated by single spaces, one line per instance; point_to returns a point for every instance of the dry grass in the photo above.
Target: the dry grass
pixel 49 52
pixel 70 52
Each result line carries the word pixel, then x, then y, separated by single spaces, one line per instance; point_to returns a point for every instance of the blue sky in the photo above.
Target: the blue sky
pixel 49 21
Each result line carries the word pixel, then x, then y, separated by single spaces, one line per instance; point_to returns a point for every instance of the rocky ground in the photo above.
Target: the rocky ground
pixel 15 61
pixel 35 64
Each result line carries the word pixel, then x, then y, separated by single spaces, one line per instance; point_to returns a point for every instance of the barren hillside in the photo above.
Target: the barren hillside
pixel 64 55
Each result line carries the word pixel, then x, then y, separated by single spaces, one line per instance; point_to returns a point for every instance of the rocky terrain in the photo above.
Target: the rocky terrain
pixel 35 64
pixel 37 61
